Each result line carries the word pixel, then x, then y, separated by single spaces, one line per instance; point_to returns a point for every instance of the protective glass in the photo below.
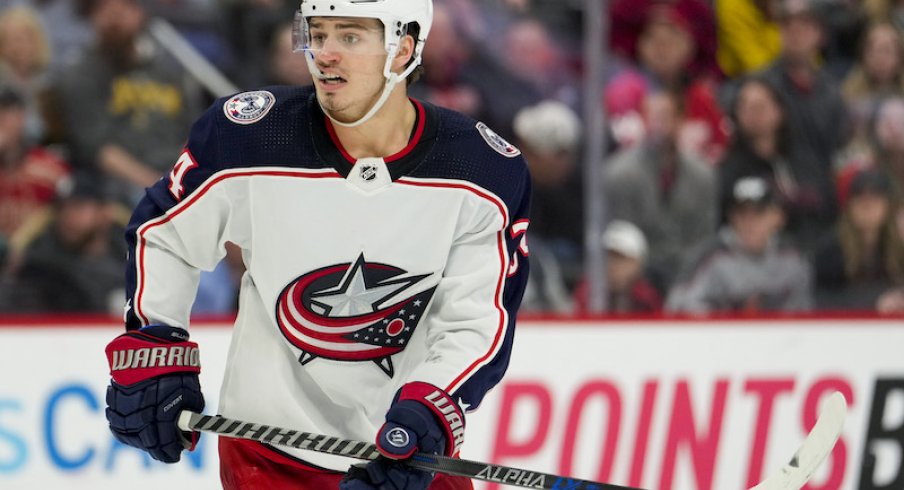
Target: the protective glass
pixel 339 35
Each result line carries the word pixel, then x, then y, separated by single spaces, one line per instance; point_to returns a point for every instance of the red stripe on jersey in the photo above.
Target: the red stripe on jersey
pixel 193 198
pixel 418 132
pixel 502 317
pixel 421 124
pixel 500 241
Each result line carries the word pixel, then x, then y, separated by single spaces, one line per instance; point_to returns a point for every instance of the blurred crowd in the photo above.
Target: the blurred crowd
pixel 754 148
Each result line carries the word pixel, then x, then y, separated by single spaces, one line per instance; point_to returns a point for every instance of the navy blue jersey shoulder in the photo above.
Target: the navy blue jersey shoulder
pixel 280 137
pixel 466 150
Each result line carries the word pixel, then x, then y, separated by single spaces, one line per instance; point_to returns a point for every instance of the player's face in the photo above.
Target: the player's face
pixel 350 55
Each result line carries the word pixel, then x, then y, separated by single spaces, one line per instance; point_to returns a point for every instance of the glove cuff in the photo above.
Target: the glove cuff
pixel 446 411
pixel 152 351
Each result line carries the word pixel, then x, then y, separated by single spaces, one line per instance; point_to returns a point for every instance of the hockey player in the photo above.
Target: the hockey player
pixel 384 244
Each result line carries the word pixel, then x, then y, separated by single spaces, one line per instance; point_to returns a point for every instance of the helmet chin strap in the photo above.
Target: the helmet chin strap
pixel 387 89
pixel 391 80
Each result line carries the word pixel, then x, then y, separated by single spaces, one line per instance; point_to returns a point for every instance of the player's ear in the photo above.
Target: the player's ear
pixel 405 53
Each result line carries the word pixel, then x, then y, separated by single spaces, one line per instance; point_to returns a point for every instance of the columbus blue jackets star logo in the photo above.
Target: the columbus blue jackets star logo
pixel 359 311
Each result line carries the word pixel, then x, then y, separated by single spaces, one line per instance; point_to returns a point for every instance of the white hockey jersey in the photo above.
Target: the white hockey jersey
pixel 361 275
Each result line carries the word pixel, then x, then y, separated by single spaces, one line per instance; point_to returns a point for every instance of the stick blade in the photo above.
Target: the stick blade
pixel 814 450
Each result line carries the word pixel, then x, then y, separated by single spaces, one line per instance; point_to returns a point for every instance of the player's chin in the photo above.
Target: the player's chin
pixel 331 102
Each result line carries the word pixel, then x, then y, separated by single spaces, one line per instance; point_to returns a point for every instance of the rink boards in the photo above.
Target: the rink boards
pixel 680 404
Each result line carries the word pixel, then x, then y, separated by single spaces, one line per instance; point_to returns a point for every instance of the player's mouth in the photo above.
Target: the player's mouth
pixel 330 81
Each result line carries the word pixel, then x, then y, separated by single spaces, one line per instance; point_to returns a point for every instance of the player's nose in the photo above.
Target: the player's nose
pixel 329 50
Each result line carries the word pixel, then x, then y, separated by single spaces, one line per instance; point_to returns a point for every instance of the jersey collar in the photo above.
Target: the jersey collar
pixel 329 148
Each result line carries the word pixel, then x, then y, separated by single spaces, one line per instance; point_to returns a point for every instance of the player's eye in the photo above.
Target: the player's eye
pixel 351 39
pixel 317 40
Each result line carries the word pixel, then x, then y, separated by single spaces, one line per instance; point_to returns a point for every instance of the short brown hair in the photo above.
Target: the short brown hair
pixel 414 30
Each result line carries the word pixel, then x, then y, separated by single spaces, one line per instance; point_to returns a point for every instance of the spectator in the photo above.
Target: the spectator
pixel 250 24
pixel 535 57
pixel 286 66
pixel 878 74
pixel 64 25
pixel 76 264
pixel 749 37
pixel 885 11
pixel 29 175
pixel 445 59
pixel 218 289
pixel 887 150
pixel 745 267
pixel 628 18
pixel 668 194
pixel 623 102
pixel 629 291
pixel 844 22
pixel 125 105
pixel 762 146
pixel 24 58
pixel 861 262
pixel 548 135
pixel 665 50
pixel 816 112
pixel 546 291
pixel 468 80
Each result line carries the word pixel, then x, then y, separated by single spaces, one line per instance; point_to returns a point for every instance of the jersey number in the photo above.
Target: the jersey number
pixel 518 229
pixel 183 165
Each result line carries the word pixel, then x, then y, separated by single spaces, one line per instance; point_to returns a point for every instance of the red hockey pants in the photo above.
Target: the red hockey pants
pixel 247 465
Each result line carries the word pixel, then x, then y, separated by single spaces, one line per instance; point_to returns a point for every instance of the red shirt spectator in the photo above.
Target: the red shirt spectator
pixel 28 177
pixel 27 186
pixel 628 17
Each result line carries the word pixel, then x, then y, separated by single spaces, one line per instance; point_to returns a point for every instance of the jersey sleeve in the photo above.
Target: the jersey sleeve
pixel 477 300
pixel 178 229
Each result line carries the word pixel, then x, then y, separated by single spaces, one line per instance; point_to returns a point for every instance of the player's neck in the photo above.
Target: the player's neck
pixel 385 134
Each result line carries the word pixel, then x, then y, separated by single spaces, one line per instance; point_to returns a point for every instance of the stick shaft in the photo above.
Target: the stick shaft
pixel 361 450
pixel 807 459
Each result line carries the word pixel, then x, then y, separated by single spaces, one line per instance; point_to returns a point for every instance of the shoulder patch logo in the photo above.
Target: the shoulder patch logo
pixel 249 107
pixel 497 142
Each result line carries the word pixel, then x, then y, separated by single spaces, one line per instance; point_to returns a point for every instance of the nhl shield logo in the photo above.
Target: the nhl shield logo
pixel 249 107
pixel 368 172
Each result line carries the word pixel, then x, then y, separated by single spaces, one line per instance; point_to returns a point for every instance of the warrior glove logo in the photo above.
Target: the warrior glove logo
pixel 360 311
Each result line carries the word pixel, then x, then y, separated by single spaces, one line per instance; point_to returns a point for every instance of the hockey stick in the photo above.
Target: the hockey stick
pixel 815 448
pixel 362 450
pixel 793 476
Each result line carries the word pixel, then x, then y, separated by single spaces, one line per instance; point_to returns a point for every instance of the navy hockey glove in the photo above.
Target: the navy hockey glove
pixel 423 418
pixel 155 376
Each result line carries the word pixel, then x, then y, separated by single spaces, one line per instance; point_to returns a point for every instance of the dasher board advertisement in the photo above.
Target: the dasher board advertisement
pixel 681 404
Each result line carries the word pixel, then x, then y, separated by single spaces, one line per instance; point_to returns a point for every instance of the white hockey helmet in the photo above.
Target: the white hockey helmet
pixel 395 15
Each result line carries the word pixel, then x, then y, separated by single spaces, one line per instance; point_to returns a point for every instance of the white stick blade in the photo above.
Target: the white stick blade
pixel 815 448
